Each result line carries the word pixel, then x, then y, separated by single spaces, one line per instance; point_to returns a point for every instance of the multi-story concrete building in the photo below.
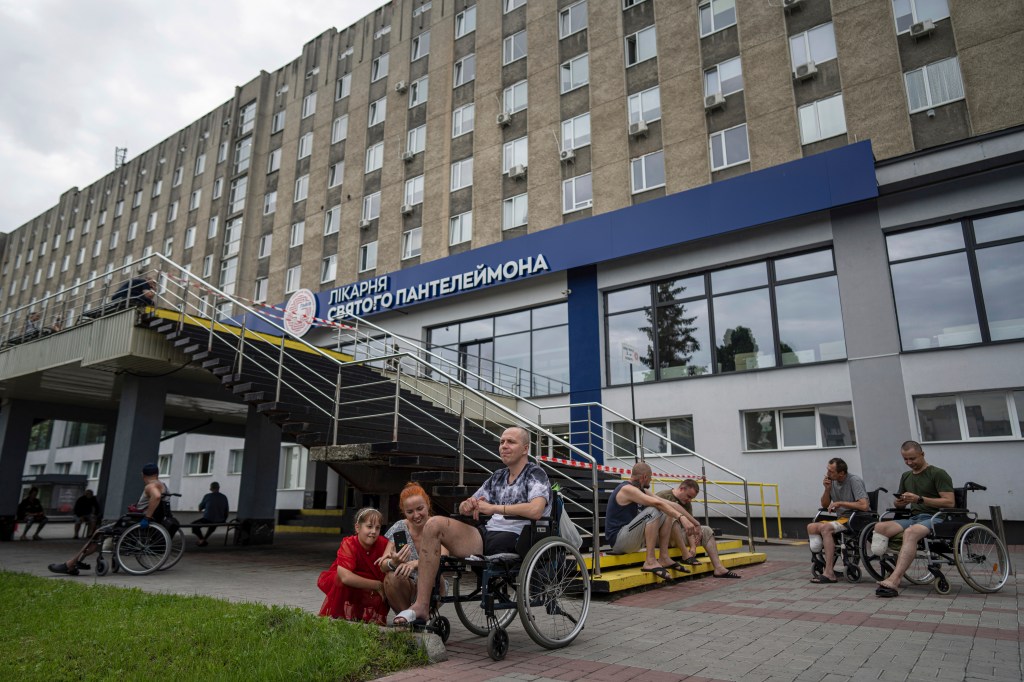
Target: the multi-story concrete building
pixel 780 231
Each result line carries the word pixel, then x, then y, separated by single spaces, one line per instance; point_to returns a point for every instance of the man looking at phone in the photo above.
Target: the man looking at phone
pixel 844 493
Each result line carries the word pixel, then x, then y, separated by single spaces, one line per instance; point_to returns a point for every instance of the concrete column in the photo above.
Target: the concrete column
pixel 140 418
pixel 316 486
pixel 585 359
pixel 15 429
pixel 105 466
pixel 257 498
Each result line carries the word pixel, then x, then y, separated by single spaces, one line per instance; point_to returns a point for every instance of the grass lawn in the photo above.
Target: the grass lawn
pixel 63 630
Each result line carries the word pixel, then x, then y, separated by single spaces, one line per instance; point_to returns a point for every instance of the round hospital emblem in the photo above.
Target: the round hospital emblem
pixel 299 312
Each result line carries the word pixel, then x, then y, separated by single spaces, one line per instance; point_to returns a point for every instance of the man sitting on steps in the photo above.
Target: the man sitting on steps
pixel 683 495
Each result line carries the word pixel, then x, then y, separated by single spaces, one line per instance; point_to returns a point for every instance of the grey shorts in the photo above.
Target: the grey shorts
pixel 631 536
pixel 915 520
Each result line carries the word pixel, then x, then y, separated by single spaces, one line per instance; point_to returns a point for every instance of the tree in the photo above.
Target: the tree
pixel 670 330
pixel 735 342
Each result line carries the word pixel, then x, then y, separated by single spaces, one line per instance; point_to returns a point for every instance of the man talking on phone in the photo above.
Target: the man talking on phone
pixel 844 494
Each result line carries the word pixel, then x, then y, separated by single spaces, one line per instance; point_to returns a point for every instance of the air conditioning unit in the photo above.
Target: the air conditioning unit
pixel 401 87
pixel 312 72
pixel 408 156
pixel 714 101
pixel 406 209
pixel 517 171
pixel 922 28
pixel 567 155
pixel 638 129
pixel 805 71
pixel 791 4
pixel 504 118
pixel 364 224
pixel 283 89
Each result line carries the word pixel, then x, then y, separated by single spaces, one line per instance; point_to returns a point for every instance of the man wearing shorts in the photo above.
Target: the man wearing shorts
pixel 683 495
pixel 926 490
pixel 844 493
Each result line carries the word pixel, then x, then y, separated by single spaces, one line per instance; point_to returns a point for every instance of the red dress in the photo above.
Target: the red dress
pixel 346 602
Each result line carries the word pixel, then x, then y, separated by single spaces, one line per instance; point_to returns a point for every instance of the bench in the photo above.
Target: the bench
pixel 230 527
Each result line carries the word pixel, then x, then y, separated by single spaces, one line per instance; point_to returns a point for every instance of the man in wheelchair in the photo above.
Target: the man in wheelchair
pixel 925 490
pixel 520 489
pixel 844 494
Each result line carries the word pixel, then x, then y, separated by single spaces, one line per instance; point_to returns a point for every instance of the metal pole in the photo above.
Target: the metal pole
pixel 996 514
pixel 398 397
pixel 280 368
pixel 337 405
pixel 750 529
pixel 462 442
pixel 704 480
pixel 595 542
pixel 209 343
pixel 241 345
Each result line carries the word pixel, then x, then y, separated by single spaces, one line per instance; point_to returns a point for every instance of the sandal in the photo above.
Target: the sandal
pixel 823 580
pixel 659 571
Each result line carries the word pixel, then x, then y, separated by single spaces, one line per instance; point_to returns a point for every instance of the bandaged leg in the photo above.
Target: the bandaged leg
pixel 879 544
pixel 816 543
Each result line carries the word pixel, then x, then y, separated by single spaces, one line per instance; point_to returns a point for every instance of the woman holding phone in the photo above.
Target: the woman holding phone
pixel 401 559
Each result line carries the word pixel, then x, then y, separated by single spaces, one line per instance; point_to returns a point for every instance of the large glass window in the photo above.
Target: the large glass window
pixel 645 106
pixel 971 416
pixel 648 171
pixel 576 132
pixel 198 463
pixel 515 97
pixel 817 45
pixel 804 428
pixel 514 47
pixel 641 46
pixel 575 73
pixel 716 15
pixel 909 12
pixel 729 147
pixel 514 153
pixel 822 119
pixel 725 78
pixel 672 436
pixel 572 19
pixel 934 84
pixel 577 193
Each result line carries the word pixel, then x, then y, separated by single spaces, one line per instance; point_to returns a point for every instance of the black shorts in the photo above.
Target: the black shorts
pixel 498 542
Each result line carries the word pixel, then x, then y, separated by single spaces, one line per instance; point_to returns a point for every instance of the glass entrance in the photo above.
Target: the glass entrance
pixel 477 358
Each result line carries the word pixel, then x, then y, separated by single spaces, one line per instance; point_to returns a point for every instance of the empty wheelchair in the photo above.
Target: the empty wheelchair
pixel 847 540
pixel 139 550
pixel 956 539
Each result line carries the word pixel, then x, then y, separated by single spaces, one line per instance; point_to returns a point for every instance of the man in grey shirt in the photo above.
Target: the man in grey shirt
pixel 844 494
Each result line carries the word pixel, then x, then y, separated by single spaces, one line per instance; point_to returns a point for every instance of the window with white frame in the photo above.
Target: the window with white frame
pixel 190 237
pixel 298 234
pixel 91 469
pixel 260 292
pixel 222 152
pixel 645 106
pixel 198 463
pixel 412 242
pixel 822 119
pixel 277 122
pixel 343 87
pixel 114 238
pixel 293 467
pixel 909 12
pixel 416 139
pixel 465 22
pixel 274 161
pixel 725 78
pixel 716 15
pixel 514 212
pixel 671 436
pixel 292 278
pixel 577 193
pixel 176 178
pixel 119 206
pixel 801 428
pixel 200 165
pixel 414 191
pixel 462 174
pixel 235 459
pixel 576 132
pixel 378 112
pixel 195 199
pixel 269 202
pixel 207 266
pixel 157 188
pixel 816 45
pixel 218 187
pixel 418 91
pixel 133 229
pixel 332 220
pixel 572 19
pixel 266 241
pixel 934 84
pixel 335 174
pixel 151 222
pixel 420 46
pixel 514 153
pixel 729 147
pixel 301 188
pixel 211 227
pixel 979 415
pixel 420 9
pixel 232 236
pixel 305 145
pixel 374 157
pixel 368 256
pixel 513 47
pixel 641 46
pixel 309 105
pixel 648 171
pixel 172 211
pixel 339 129
pixel 379 67
pixel 465 70
pixel 246 118
pixel 515 97
pixel 575 73
pixel 460 228
pixel 371 206
pixel 329 269
pixel 513 4
pixel 236 196
pixel 96 247
pixel 243 152
pixel 228 274
pixel 462 120
pixel 137 198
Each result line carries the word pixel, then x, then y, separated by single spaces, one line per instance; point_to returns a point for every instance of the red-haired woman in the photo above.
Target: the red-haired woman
pixel 354 583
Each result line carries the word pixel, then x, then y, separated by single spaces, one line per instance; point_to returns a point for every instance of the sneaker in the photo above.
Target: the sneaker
pixel 62 568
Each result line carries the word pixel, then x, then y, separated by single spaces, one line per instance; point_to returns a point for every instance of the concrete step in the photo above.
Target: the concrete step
pixel 620 578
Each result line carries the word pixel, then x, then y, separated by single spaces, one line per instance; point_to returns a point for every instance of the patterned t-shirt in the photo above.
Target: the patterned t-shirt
pixel 531 483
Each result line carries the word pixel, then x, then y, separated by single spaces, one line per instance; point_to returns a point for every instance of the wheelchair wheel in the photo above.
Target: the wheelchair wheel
pixel 102 568
pixel 981 558
pixel 877 567
pixel 141 551
pixel 467 591
pixel 852 573
pixel 942 585
pixel 554 593
pixel 497 644
pixel 918 573
pixel 443 627
pixel 177 549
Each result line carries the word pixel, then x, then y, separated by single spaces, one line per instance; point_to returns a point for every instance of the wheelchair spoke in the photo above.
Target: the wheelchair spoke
pixel 981 558
pixel 554 593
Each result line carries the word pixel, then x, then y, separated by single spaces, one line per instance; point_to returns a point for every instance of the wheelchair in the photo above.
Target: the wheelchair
pixel 957 539
pixel 847 540
pixel 137 550
pixel 548 585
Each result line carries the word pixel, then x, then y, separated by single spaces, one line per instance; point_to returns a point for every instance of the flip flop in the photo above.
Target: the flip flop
pixel 727 574
pixel 886 592
pixel 676 566
pixel 692 561
pixel 659 571
pixel 409 618
pixel 822 580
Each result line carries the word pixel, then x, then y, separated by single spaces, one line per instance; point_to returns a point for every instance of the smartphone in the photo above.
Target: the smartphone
pixel 401 540
pixel 897 495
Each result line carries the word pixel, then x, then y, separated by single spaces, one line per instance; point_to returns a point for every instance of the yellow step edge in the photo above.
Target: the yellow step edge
pixel 323 512
pixel 322 530
pixel 621 579
pixel 614 560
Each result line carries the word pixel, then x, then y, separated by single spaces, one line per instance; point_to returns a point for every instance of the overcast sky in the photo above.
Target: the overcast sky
pixel 82 77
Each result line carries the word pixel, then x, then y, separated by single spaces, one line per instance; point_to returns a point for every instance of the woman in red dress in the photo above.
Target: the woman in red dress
pixel 354 583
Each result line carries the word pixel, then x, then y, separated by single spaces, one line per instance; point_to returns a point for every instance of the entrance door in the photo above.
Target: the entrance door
pixel 477 357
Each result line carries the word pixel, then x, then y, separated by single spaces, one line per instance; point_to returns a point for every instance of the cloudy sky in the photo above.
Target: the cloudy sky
pixel 82 77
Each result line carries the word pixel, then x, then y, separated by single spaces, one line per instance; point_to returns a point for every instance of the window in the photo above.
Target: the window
pixel 309 105
pixel 96 247
pixel 575 73
pixel 246 118
pixel 151 222
pixel 157 187
pixel 645 106
pixel 371 206
pixel 513 4
pixel 343 87
pixel 513 48
pixel 232 236
pixel 291 279
pixel 119 206
pixel 465 22
pixel 218 187
pixel 114 238
pixel 207 266
pixel 297 234
pixel 335 174
pixel 641 46
pixel 576 132
pixel 941 278
pixel 460 228
pixel 367 256
pixel 236 196
pixel 416 139
pixel 329 269
pixel 243 150
pixel 277 123
pixel 235 459
pixel 301 188
pixel 339 129
pixel 133 229
pixel 626 4
pixel 374 157
pixel 379 67
pixel 190 237
pixel 648 171
pixel 934 84
pixel 198 463
pixel 822 119
pixel 274 160
pixel 909 12
pixel 176 178
pixel 465 70
pixel 91 469
pixel 462 120
pixel 515 97
pixel 462 174
pixel 577 193
pixel 716 15
pixel 802 428
pixel 172 211
pixel 729 147
pixel 514 153
pixel 418 91
pixel 672 436
pixel 222 152
pixel 514 212
pixel 725 78
pixel 378 111
pixel 572 19
pixel 412 241
pixel 293 465
pixel 817 45
pixel 228 274
pixel 265 243
pixel 195 199
pixel 269 203
pixel 420 9
pixel 137 198
pixel 305 145
pixel 420 46
pixel 971 416
pixel 414 191
pixel 211 228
